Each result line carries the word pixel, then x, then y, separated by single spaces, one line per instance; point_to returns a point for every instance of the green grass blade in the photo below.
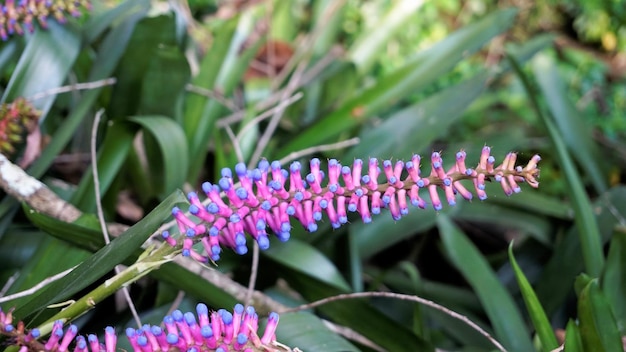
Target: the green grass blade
pixel 500 308
pixel 585 221
pixel 573 342
pixel 438 112
pixel 575 132
pixel 614 278
pixel 535 310
pixel 598 329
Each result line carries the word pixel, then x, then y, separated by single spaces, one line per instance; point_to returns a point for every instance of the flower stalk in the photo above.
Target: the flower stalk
pixel 268 197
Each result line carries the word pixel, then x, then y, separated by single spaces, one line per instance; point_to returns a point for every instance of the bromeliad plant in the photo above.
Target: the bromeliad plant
pixel 268 196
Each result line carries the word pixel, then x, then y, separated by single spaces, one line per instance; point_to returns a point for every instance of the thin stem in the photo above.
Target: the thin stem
pixel 403 297
pixel 47 281
pixel 100 211
pixel 74 87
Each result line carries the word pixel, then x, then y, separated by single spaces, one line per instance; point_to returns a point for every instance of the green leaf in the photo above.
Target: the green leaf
pixel 427 67
pixel 169 170
pixel 315 337
pixel 614 279
pixel 44 64
pixel 307 259
pixel 497 302
pixel 573 128
pixel 420 124
pixel 535 310
pixel 51 257
pixel 370 239
pixel 86 237
pixel 109 53
pixel 369 44
pixel 573 341
pixel 96 266
pixel 598 329
pixel 584 219
pixel 506 217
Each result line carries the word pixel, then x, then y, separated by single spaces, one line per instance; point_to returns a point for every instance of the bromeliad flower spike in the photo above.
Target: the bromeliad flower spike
pixel 219 331
pixel 269 196
pixel 19 16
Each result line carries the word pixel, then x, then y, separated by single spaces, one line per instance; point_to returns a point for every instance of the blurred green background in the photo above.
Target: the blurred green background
pixel 542 267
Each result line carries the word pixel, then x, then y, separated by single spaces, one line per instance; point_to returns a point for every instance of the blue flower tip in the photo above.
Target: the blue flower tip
pixel 264 242
pixel 312 227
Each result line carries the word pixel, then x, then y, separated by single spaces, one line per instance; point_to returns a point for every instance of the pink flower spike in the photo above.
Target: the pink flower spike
pixel 270 329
